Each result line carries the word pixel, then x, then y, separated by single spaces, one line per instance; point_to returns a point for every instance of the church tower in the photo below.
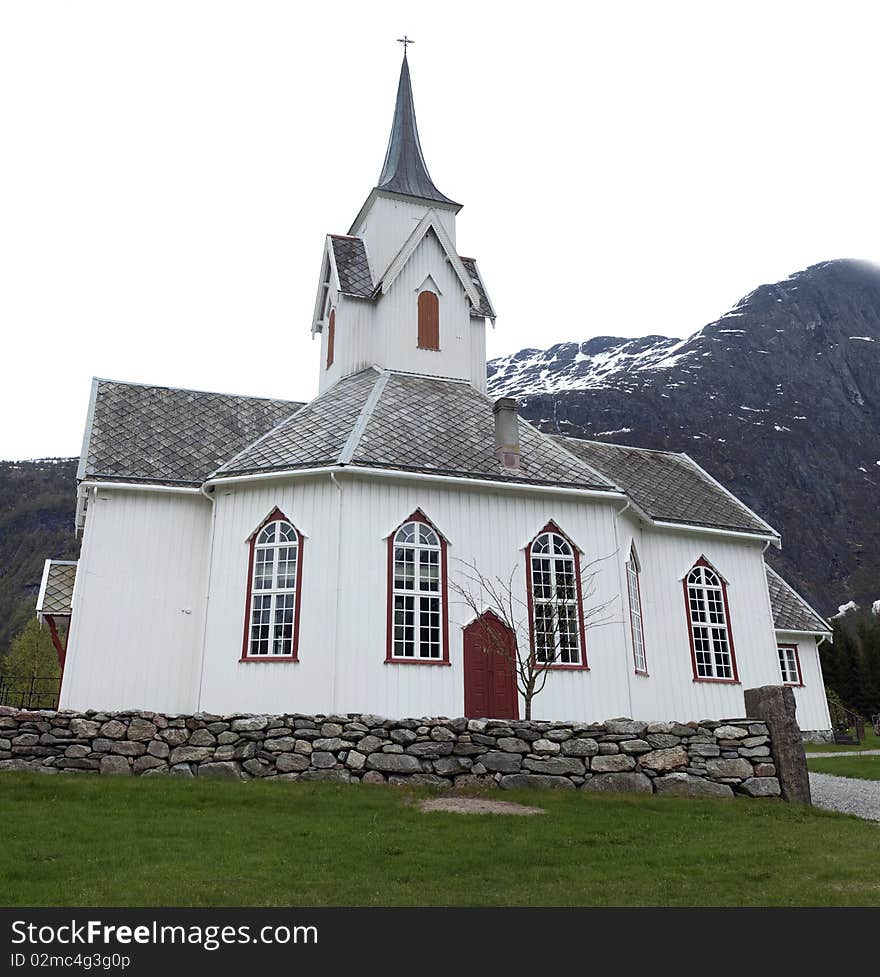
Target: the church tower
pixel 394 292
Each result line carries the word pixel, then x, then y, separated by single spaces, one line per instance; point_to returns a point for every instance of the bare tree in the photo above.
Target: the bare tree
pixel 539 632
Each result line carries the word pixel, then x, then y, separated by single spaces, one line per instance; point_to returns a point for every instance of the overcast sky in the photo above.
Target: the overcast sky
pixel 169 170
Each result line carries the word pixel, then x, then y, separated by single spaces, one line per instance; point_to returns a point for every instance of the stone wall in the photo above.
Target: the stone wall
pixel 716 759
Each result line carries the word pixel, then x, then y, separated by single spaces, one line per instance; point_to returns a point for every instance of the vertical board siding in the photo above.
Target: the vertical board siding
pixel 812 705
pixel 139 603
pixel 388 224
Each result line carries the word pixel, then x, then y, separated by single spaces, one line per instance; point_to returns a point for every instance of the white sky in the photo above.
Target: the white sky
pixel 169 170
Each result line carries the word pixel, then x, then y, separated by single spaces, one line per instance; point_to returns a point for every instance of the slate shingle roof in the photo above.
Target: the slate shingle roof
pixel 485 307
pixel 56 589
pixel 380 419
pixel 144 433
pixel 352 266
pixel 668 486
pixel 790 611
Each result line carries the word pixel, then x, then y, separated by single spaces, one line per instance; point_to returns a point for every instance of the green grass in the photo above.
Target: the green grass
pixel 860 767
pixel 870 742
pixel 69 840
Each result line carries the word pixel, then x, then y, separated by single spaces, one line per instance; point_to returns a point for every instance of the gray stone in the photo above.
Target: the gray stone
pixel 555 766
pixel 292 762
pixel 158 748
pixel 429 749
pixel 190 754
pixel 704 750
pixel 729 768
pixel 626 726
pixel 765 770
pixel 512 744
pixel 542 746
pixel 227 770
pixel 333 744
pixel 305 747
pixel 501 762
pixel 665 759
pixel 355 760
pixel 581 746
pixel 144 763
pixel 631 783
pixel 174 737
pixel 321 759
pixel 125 748
pixel 373 777
pixel 77 763
pixel 751 741
pixel 761 787
pixel 369 744
pixel 250 724
pixel 635 746
pixel 755 751
pixel 101 745
pixel 528 781
pixel 684 785
pixel 731 732
pixel 282 744
pixel 228 737
pixel 477 725
pixel 403 736
pixel 84 728
pixel 616 763
pixel 394 763
pixel 663 741
pixel 112 730
pixel 607 749
pixel 26 739
pixel 115 765
pixel 141 730
pixel 77 752
pixel 245 751
pixel 258 768
pixel 331 729
pixel 558 734
pixel 441 734
pixel 202 737
pixel 451 765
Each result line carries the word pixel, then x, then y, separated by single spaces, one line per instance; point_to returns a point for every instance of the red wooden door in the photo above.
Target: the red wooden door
pixel 489 677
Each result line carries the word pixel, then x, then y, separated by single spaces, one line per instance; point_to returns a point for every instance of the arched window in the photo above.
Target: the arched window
pixel 429 321
pixel 634 591
pixel 709 625
pixel 555 600
pixel 274 576
pixel 331 337
pixel 418 598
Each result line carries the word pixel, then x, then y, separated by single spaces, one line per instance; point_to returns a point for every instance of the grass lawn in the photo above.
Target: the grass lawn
pixel 70 840
pixel 870 742
pixel 861 767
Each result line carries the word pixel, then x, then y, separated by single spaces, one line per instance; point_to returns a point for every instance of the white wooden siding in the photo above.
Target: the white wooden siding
pixel 812 706
pixel 139 603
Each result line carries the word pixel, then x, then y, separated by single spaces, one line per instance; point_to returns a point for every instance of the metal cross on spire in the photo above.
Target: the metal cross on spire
pixel 405 41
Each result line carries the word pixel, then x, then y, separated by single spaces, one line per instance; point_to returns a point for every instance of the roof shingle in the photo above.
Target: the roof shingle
pixel 790 611
pixel 56 590
pixel 352 266
pixel 144 433
pixel 668 486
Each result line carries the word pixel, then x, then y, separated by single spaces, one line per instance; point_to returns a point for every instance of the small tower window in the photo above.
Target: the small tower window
pixel 331 337
pixel 429 321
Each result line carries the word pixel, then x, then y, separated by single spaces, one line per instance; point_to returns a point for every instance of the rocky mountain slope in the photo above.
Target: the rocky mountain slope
pixel 37 501
pixel 779 399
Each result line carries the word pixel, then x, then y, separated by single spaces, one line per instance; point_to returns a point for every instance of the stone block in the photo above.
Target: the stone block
pixel 662 760
pixel 616 763
pixel 500 762
pixel 632 782
pixel 115 766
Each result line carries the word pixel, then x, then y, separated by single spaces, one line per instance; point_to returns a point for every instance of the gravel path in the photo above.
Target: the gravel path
pixel 847 795
pixel 827 756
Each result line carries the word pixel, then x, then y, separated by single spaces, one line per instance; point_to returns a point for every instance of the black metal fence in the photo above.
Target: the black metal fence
pixel 29 691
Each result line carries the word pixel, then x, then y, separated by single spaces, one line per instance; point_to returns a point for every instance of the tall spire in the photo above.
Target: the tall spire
pixel 404 170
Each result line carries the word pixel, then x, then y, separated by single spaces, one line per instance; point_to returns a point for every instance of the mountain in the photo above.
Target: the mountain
pixel 37 501
pixel 779 399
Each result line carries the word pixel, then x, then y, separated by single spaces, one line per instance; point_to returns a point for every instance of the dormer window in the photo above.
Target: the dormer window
pixel 429 321
pixel 331 337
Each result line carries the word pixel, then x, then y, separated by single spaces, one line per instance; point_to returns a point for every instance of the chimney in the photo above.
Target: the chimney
pixel 506 432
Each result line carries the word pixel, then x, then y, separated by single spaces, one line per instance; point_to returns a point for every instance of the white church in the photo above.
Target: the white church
pixel 252 555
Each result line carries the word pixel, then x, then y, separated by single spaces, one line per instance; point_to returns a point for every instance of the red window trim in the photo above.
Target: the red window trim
pixel 797 662
pixel 418 516
pixel 635 562
pixel 703 562
pixel 331 339
pixel 583 666
pixel 276 515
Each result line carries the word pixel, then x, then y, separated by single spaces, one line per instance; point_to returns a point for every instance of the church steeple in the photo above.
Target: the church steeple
pixel 404 170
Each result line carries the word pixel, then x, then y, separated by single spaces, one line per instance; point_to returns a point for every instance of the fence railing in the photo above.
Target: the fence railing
pixel 29 691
